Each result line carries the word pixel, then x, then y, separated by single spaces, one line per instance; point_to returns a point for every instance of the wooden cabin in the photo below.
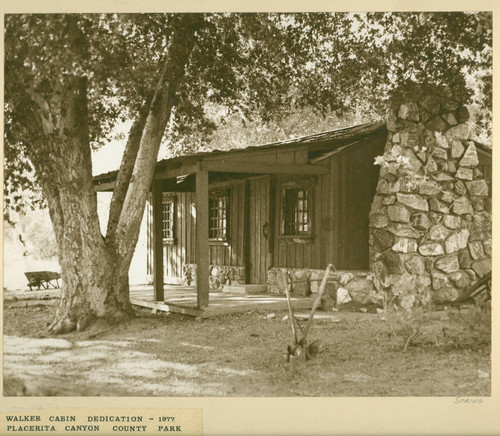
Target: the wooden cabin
pixel 300 203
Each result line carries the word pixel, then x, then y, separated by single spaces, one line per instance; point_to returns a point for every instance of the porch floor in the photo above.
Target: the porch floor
pixel 182 299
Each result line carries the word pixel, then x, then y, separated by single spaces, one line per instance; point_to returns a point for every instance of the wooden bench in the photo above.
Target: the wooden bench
pixel 43 279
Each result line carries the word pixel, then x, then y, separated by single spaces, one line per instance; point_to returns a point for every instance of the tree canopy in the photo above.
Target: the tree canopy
pixel 261 67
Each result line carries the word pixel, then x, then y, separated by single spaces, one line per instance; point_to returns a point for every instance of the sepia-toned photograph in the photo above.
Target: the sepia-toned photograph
pixel 248 204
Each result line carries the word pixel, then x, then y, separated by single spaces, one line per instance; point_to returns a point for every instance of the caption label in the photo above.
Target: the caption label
pixel 186 422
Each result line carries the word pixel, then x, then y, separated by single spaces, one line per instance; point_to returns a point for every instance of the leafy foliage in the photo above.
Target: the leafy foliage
pixel 234 130
pixel 39 235
pixel 262 69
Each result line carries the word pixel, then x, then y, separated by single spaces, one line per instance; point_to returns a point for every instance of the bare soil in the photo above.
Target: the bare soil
pixel 243 355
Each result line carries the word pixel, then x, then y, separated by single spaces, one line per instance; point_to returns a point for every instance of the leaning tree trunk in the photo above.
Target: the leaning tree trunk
pixel 95 269
pixel 127 206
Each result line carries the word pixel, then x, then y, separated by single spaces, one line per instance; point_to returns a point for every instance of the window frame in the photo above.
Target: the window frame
pixel 222 215
pixel 306 186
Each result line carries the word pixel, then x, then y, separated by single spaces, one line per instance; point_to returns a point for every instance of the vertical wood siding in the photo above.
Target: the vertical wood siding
pixel 341 205
pixel 231 253
pixel 183 251
pixel 259 258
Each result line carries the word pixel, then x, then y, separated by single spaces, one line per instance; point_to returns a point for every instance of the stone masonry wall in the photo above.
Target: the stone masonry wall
pixel 342 286
pixel 430 221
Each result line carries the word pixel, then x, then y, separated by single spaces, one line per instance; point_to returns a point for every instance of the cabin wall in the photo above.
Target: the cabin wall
pixel 181 254
pixel 257 225
pixel 341 204
pixel 182 250
pixel 231 253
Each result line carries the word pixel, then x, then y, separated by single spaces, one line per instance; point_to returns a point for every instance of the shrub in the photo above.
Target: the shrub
pixel 407 323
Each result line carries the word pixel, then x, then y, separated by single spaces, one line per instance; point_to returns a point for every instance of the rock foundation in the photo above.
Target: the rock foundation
pixel 355 286
pixel 220 275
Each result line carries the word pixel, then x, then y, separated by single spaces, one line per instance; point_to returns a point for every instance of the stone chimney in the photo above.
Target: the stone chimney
pixel 430 221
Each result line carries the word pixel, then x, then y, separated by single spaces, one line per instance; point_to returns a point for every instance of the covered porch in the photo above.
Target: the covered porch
pixel 198 177
pixel 184 300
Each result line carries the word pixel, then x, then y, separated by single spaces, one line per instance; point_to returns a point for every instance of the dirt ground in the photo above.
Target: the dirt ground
pixel 243 355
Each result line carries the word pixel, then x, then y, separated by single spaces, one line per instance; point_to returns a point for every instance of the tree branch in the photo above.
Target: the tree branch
pixel 126 169
pixel 180 47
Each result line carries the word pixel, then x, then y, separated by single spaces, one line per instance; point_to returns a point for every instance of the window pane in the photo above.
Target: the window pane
pixel 218 217
pixel 168 213
pixel 295 211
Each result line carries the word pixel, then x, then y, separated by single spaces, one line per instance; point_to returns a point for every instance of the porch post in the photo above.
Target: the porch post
pixel 246 232
pixel 157 198
pixel 202 249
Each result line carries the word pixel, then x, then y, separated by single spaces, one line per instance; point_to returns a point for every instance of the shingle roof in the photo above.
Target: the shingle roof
pixel 352 132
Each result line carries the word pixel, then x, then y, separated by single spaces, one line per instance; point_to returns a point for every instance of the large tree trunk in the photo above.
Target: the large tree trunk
pixel 95 269
pixel 90 278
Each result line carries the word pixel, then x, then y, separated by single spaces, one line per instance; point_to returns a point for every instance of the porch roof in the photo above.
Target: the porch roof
pixel 182 165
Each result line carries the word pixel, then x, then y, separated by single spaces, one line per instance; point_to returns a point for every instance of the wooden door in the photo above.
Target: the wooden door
pixel 259 228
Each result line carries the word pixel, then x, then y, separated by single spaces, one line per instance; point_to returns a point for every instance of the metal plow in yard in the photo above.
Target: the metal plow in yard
pixel 301 348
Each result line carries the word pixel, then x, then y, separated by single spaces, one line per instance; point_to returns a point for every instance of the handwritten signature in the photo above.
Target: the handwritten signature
pixel 460 400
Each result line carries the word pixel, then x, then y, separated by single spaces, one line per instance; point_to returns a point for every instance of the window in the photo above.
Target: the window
pixel 169 218
pixel 296 211
pixel 218 210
